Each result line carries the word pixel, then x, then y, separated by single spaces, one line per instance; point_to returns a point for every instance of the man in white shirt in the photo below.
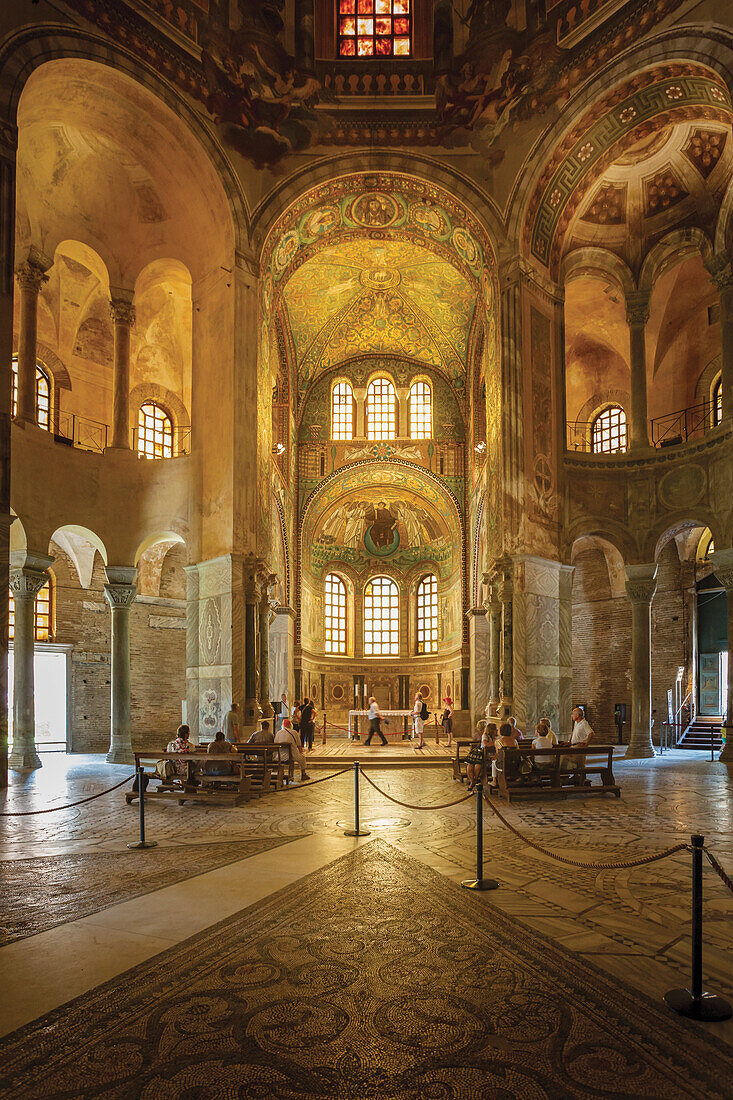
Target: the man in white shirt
pixel 286 735
pixel 375 721
pixel 582 730
pixel 284 710
pixel 231 724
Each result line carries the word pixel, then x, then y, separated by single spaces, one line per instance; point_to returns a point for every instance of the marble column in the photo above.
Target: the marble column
pixel 31 276
pixel 252 713
pixel 8 144
pixel 123 316
pixel 723 565
pixel 264 624
pixel 120 591
pixel 494 615
pixel 26 582
pixel 637 315
pixel 506 596
pixel 478 642
pixel 641 584
pixel 722 276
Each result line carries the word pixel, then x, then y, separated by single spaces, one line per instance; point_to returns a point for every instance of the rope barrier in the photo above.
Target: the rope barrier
pixel 410 805
pixel 69 805
pixel 718 869
pixel 312 782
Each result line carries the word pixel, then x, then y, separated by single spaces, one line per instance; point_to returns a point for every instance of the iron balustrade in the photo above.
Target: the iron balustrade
pixel 580 438
pixel 180 443
pixel 678 427
pixel 79 431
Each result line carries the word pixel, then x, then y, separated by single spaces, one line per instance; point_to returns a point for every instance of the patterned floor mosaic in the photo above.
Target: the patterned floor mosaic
pixel 373 977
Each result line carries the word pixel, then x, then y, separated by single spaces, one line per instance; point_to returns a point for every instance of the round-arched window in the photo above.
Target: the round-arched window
pixel 381 618
pixel 334 633
pixel 718 402
pixel 421 410
pixel 608 431
pixel 154 432
pixel 427 615
pixel 342 411
pixel 381 409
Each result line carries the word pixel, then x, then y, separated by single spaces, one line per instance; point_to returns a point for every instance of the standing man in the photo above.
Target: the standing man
pixel 231 724
pixel 284 711
pixel 375 721
pixel 581 735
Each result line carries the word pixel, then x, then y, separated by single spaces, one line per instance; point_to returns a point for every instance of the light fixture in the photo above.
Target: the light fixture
pixel 480 448
pixel 278 449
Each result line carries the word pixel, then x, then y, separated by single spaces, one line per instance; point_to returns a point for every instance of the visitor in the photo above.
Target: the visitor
pixel 517 732
pixel 231 724
pixel 295 717
pixel 547 724
pixel 182 741
pixel 286 735
pixel 544 738
pixel 219 747
pixel 262 736
pixel 581 736
pixel 447 719
pixel 476 757
pixel 284 712
pixel 375 721
pixel 420 715
pixel 307 724
pixel 505 739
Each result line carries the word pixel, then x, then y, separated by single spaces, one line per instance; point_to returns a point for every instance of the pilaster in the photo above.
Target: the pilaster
pixel 641 585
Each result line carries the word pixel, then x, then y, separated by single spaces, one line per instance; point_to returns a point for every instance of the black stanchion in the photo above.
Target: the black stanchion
pixel 480 883
pixel 694 1002
pixel 356 831
pixel 142 842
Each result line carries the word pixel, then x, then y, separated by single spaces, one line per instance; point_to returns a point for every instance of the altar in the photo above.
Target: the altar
pixel 389 729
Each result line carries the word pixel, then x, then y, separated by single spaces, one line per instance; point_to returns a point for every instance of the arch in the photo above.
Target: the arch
pixel 613 557
pixel 381 408
pixel 381 609
pixel 599 263
pixel 613 533
pixel 156 537
pixel 667 253
pixel 705 546
pixel 420 408
pixel 83 253
pixel 88 536
pixel 724 224
pixel 609 430
pixel 18 536
pixel 146 392
pixel 335 614
pixel 343 409
pixel 61 380
pixel 667 528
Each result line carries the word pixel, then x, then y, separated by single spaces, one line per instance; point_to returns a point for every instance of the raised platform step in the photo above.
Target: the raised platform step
pixel 698 733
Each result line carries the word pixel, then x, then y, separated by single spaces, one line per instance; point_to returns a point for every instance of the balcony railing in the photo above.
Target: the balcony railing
pixel 678 427
pixel 171 447
pixel 580 438
pixel 79 431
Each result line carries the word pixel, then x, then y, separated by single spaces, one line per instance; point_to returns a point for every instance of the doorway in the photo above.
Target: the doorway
pixel 51 672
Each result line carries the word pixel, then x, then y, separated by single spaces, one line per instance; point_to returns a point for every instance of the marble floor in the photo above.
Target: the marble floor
pixel 633 923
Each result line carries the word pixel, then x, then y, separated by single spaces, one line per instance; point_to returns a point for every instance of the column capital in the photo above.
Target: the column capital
pixel 637 308
pixel 26 583
pixel 641 582
pixel 720 267
pixel 722 561
pixel 122 311
pixel 30 276
pixel 120 596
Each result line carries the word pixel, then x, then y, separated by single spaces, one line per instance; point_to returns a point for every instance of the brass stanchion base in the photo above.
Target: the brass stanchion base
pixel 144 844
pixel 480 884
pixel 707 1007
pixel 357 832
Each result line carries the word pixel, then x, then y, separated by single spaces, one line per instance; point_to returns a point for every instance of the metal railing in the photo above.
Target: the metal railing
pixel 79 431
pixel 580 438
pixel 677 427
pixel 172 447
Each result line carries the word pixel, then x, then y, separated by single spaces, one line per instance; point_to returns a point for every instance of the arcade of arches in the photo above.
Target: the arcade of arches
pixel 337 363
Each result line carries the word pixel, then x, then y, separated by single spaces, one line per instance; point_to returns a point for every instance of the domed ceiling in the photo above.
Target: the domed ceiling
pixel 386 297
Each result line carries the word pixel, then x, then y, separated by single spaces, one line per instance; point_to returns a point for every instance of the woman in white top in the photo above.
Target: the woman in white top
pixel 544 739
pixel 417 720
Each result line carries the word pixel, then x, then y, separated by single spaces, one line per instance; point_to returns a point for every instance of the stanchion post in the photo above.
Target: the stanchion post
pixel 356 831
pixel 480 883
pixel 694 1003
pixel 324 727
pixel 142 842
pixel 437 735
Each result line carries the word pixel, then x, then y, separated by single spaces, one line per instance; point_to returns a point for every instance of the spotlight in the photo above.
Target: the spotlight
pixel 480 448
pixel 278 449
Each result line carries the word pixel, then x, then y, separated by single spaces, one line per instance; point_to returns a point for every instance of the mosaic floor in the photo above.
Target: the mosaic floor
pixel 631 924
pixel 373 977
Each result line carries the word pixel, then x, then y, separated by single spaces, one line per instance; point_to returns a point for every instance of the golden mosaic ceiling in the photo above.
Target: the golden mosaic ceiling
pixel 385 297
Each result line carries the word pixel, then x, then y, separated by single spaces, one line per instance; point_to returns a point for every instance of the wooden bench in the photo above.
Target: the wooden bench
pixel 253 770
pixel 459 760
pixel 568 774
pixel 270 767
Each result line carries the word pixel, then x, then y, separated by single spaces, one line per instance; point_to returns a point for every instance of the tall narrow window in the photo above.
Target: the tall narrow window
pixel 427 615
pixel 374 28
pixel 342 411
pixel 43 396
pixel 41 617
pixel 335 615
pixel 717 402
pixel 608 431
pixel 421 410
pixel 381 410
pixel 154 432
pixel 381 618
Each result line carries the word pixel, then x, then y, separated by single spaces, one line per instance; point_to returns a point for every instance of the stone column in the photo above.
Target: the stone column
pixel 641 584
pixel 252 712
pixel 264 624
pixel 506 596
pixel 26 582
pixel 723 565
pixel 637 315
pixel 403 412
pixel 31 275
pixel 123 316
pixel 120 591
pixel 193 650
pixel 722 276
pixel 478 642
pixel 305 52
pixel 8 144
pixel 493 608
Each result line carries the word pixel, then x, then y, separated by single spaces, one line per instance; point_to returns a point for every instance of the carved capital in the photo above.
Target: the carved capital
pixel 721 271
pixel 637 309
pixel 30 276
pixel 641 582
pixel 122 311
pixel 723 566
pixel 120 596
pixel 25 583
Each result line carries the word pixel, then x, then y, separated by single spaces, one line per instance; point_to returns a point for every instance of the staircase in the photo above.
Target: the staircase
pixel 697 734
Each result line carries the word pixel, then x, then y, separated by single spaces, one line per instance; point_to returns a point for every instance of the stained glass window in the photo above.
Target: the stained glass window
pixel 427 615
pixel 421 411
pixel 42 615
pixel 154 432
pixel 342 411
pixel 609 431
pixel 381 618
pixel 43 396
pixel 718 402
pixel 381 410
pixel 335 614
pixel 374 28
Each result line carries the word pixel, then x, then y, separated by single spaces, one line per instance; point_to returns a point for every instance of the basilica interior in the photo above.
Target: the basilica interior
pixel 353 350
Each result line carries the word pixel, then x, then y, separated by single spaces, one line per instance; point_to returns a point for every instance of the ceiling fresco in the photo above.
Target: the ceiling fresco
pixel 380 297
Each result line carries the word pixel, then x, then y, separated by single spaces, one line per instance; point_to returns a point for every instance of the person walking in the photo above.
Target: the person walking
pixel 420 715
pixel 447 719
pixel 375 721
pixel 231 724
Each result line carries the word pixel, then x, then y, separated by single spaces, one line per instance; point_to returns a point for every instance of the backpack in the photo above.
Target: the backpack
pixel 424 713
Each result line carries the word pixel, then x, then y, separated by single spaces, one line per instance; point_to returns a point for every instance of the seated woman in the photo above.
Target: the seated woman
pixel 219 747
pixel 505 739
pixel 544 739
pixel 548 730
pixel 475 759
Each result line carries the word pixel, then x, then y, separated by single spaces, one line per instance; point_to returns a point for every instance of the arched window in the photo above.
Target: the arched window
pixel 342 411
pixel 381 409
pixel 381 618
pixel 421 410
pixel 335 614
pixel 374 28
pixel 718 402
pixel 427 615
pixel 41 618
pixel 43 395
pixel 608 431
pixel 154 432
